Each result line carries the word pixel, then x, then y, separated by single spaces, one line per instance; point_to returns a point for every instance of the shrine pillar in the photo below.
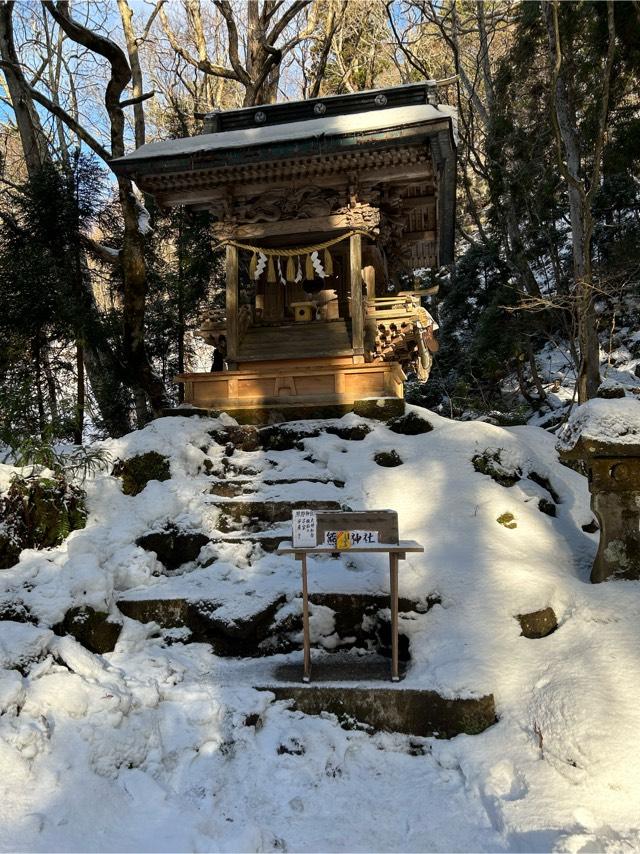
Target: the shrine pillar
pixel 232 305
pixel 357 307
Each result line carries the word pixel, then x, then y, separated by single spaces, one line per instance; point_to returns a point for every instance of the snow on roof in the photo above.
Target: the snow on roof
pixel 325 126
pixel 601 420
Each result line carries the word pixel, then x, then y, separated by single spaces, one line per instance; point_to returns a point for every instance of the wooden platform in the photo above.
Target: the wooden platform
pixel 317 382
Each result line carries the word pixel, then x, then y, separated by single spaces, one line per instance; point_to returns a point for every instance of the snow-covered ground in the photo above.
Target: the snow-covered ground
pixel 148 748
pixel 619 371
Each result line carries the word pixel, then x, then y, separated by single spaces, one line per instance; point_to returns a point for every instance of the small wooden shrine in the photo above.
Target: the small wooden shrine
pixel 322 206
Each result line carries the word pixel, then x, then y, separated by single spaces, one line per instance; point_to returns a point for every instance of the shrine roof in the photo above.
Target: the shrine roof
pixel 320 128
pixel 389 135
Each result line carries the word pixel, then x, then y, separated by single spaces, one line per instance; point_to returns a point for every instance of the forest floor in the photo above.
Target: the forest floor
pixel 164 744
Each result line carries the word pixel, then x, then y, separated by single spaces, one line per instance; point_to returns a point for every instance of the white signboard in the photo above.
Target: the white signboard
pixel 304 528
pixel 348 539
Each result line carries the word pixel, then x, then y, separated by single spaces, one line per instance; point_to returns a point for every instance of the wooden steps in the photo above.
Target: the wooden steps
pixel 295 341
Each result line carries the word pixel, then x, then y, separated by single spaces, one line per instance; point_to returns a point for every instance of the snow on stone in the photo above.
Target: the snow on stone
pixel 149 748
pixel 601 420
pixel 21 643
pixel 7 474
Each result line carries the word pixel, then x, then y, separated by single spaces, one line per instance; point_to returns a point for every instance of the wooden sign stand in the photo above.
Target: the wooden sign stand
pixel 397 551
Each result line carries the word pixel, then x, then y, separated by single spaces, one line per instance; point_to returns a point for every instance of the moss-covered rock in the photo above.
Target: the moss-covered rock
pixel 174 547
pixel 410 424
pixel 243 438
pixel 282 438
pixel 507 520
pixel 379 408
pixel 538 624
pixel 38 513
pixel 16 611
pixel 136 472
pixel 489 462
pixel 93 629
pixel 10 550
pixel 277 437
pixel 353 433
pixel 610 392
pixel 387 459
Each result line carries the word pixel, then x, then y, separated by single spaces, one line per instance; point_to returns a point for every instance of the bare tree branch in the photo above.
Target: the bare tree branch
pixel 203 64
pixel 138 99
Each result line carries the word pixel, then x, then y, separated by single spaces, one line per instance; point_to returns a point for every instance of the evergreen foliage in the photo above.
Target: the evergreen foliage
pixel 181 268
pixel 136 472
pixel 42 282
pixel 483 337
pixel 38 512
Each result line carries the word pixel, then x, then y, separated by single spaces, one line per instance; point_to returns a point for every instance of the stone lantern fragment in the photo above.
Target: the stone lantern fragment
pixel 605 434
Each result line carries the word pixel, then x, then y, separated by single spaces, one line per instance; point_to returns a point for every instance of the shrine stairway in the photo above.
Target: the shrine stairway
pixel 206 594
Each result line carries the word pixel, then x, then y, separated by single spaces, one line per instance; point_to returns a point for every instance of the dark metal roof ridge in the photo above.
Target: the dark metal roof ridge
pixel 242 118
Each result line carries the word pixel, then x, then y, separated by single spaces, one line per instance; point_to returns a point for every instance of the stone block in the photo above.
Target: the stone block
pixel 410 711
pixel 538 624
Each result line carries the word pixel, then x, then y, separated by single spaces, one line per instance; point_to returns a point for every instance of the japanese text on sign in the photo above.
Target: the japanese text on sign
pixel 348 539
pixel 304 528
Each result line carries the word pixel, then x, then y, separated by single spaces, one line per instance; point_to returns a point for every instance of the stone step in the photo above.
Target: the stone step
pixel 173 547
pixel 290 480
pixel 208 622
pixel 261 631
pixel 391 709
pixel 244 521
pixel 268 543
pixel 259 515
pixel 273 438
pixel 233 488
pixel 284 437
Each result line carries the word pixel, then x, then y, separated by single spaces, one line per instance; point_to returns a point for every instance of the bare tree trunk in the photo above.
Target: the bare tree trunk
pixel 139 369
pixel 140 374
pixel 102 366
pixel 80 396
pixel 535 376
pixel 51 385
pixel 36 352
pixel 567 136
pixel 334 21
pixel 34 141
pixel 142 413
pixel 521 381
pixel 260 73
pixel 136 71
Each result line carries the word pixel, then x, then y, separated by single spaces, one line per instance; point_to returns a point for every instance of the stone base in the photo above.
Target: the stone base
pixel 614 482
pixel 379 408
pixel 284 383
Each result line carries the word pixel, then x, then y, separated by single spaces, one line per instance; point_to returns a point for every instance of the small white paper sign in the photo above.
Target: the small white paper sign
pixel 304 528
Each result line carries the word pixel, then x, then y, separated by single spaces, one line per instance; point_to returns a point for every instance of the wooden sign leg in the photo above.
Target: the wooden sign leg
pixel 393 571
pixel 306 677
